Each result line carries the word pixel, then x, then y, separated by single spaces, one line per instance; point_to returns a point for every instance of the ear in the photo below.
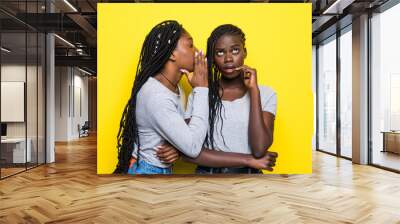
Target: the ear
pixel 172 57
pixel 245 52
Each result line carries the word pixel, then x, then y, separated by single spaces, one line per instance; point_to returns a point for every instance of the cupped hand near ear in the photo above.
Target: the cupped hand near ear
pixel 199 78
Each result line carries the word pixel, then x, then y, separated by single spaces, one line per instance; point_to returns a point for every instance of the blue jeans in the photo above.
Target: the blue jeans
pixel 226 170
pixel 142 167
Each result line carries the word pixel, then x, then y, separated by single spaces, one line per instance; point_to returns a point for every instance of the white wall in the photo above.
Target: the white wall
pixel 71 93
pixel 80 83
pixel 14 73
pixel 62 81
pixel 12 101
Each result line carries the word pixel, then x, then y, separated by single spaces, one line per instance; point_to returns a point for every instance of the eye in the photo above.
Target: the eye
pixel 219 53
pixel 235 51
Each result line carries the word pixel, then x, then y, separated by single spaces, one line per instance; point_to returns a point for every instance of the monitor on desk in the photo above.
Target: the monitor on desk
pixel 3 130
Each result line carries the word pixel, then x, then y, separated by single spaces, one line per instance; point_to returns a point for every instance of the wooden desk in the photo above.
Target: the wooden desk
pixel 391 141
pixel 15 148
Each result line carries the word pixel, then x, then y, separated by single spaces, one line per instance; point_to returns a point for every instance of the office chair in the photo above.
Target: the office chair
pixel 84 130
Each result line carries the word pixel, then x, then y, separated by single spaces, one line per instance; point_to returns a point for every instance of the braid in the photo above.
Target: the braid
pixel 214 77
pixel 156 50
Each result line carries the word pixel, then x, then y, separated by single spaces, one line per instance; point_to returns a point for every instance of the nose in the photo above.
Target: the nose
pixel 228 57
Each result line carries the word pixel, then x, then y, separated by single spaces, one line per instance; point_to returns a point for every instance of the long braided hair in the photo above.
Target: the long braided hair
pixel 156 51
pixel 214 77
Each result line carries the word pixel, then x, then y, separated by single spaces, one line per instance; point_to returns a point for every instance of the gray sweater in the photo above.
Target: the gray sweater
pixel 160 118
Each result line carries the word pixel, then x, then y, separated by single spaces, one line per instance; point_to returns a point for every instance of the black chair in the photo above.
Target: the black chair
pixel 84 130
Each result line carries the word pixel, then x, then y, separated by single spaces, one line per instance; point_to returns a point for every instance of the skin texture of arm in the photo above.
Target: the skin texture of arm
pixel 261 126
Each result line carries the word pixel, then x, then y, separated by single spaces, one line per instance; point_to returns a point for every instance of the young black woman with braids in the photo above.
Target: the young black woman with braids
pixel 241 113
pixel 154 114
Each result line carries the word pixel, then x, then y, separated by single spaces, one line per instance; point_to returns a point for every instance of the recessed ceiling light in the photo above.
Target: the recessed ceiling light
pixel 5 50
pixel 84 71
pixel 64 40
pixel 338 6
pixel 70 5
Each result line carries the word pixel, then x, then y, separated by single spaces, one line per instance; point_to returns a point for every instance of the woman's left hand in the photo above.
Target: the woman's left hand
pixel 249 76
pixel 167 153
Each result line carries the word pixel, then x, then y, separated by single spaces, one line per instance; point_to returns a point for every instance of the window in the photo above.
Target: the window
pixel 385 88
pixel 327 96
pixel 346 93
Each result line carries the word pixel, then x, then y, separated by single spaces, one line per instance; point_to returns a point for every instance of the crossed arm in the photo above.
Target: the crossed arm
pixel 259 159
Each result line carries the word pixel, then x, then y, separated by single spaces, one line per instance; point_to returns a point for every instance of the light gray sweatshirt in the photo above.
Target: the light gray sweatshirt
pixel 160 118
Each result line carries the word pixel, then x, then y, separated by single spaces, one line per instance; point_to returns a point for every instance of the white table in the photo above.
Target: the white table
pixel 18 149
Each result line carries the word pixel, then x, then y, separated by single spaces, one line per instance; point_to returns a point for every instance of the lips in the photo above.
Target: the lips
pixel 229 68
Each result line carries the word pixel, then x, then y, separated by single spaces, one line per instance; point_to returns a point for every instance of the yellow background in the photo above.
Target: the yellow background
pixel 278 41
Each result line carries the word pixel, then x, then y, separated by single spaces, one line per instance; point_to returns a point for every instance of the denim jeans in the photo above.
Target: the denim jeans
pixel 142 167
pixel 226 170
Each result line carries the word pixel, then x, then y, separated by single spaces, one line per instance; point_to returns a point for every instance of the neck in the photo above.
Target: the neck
pixel 232 83
pixel 169 79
